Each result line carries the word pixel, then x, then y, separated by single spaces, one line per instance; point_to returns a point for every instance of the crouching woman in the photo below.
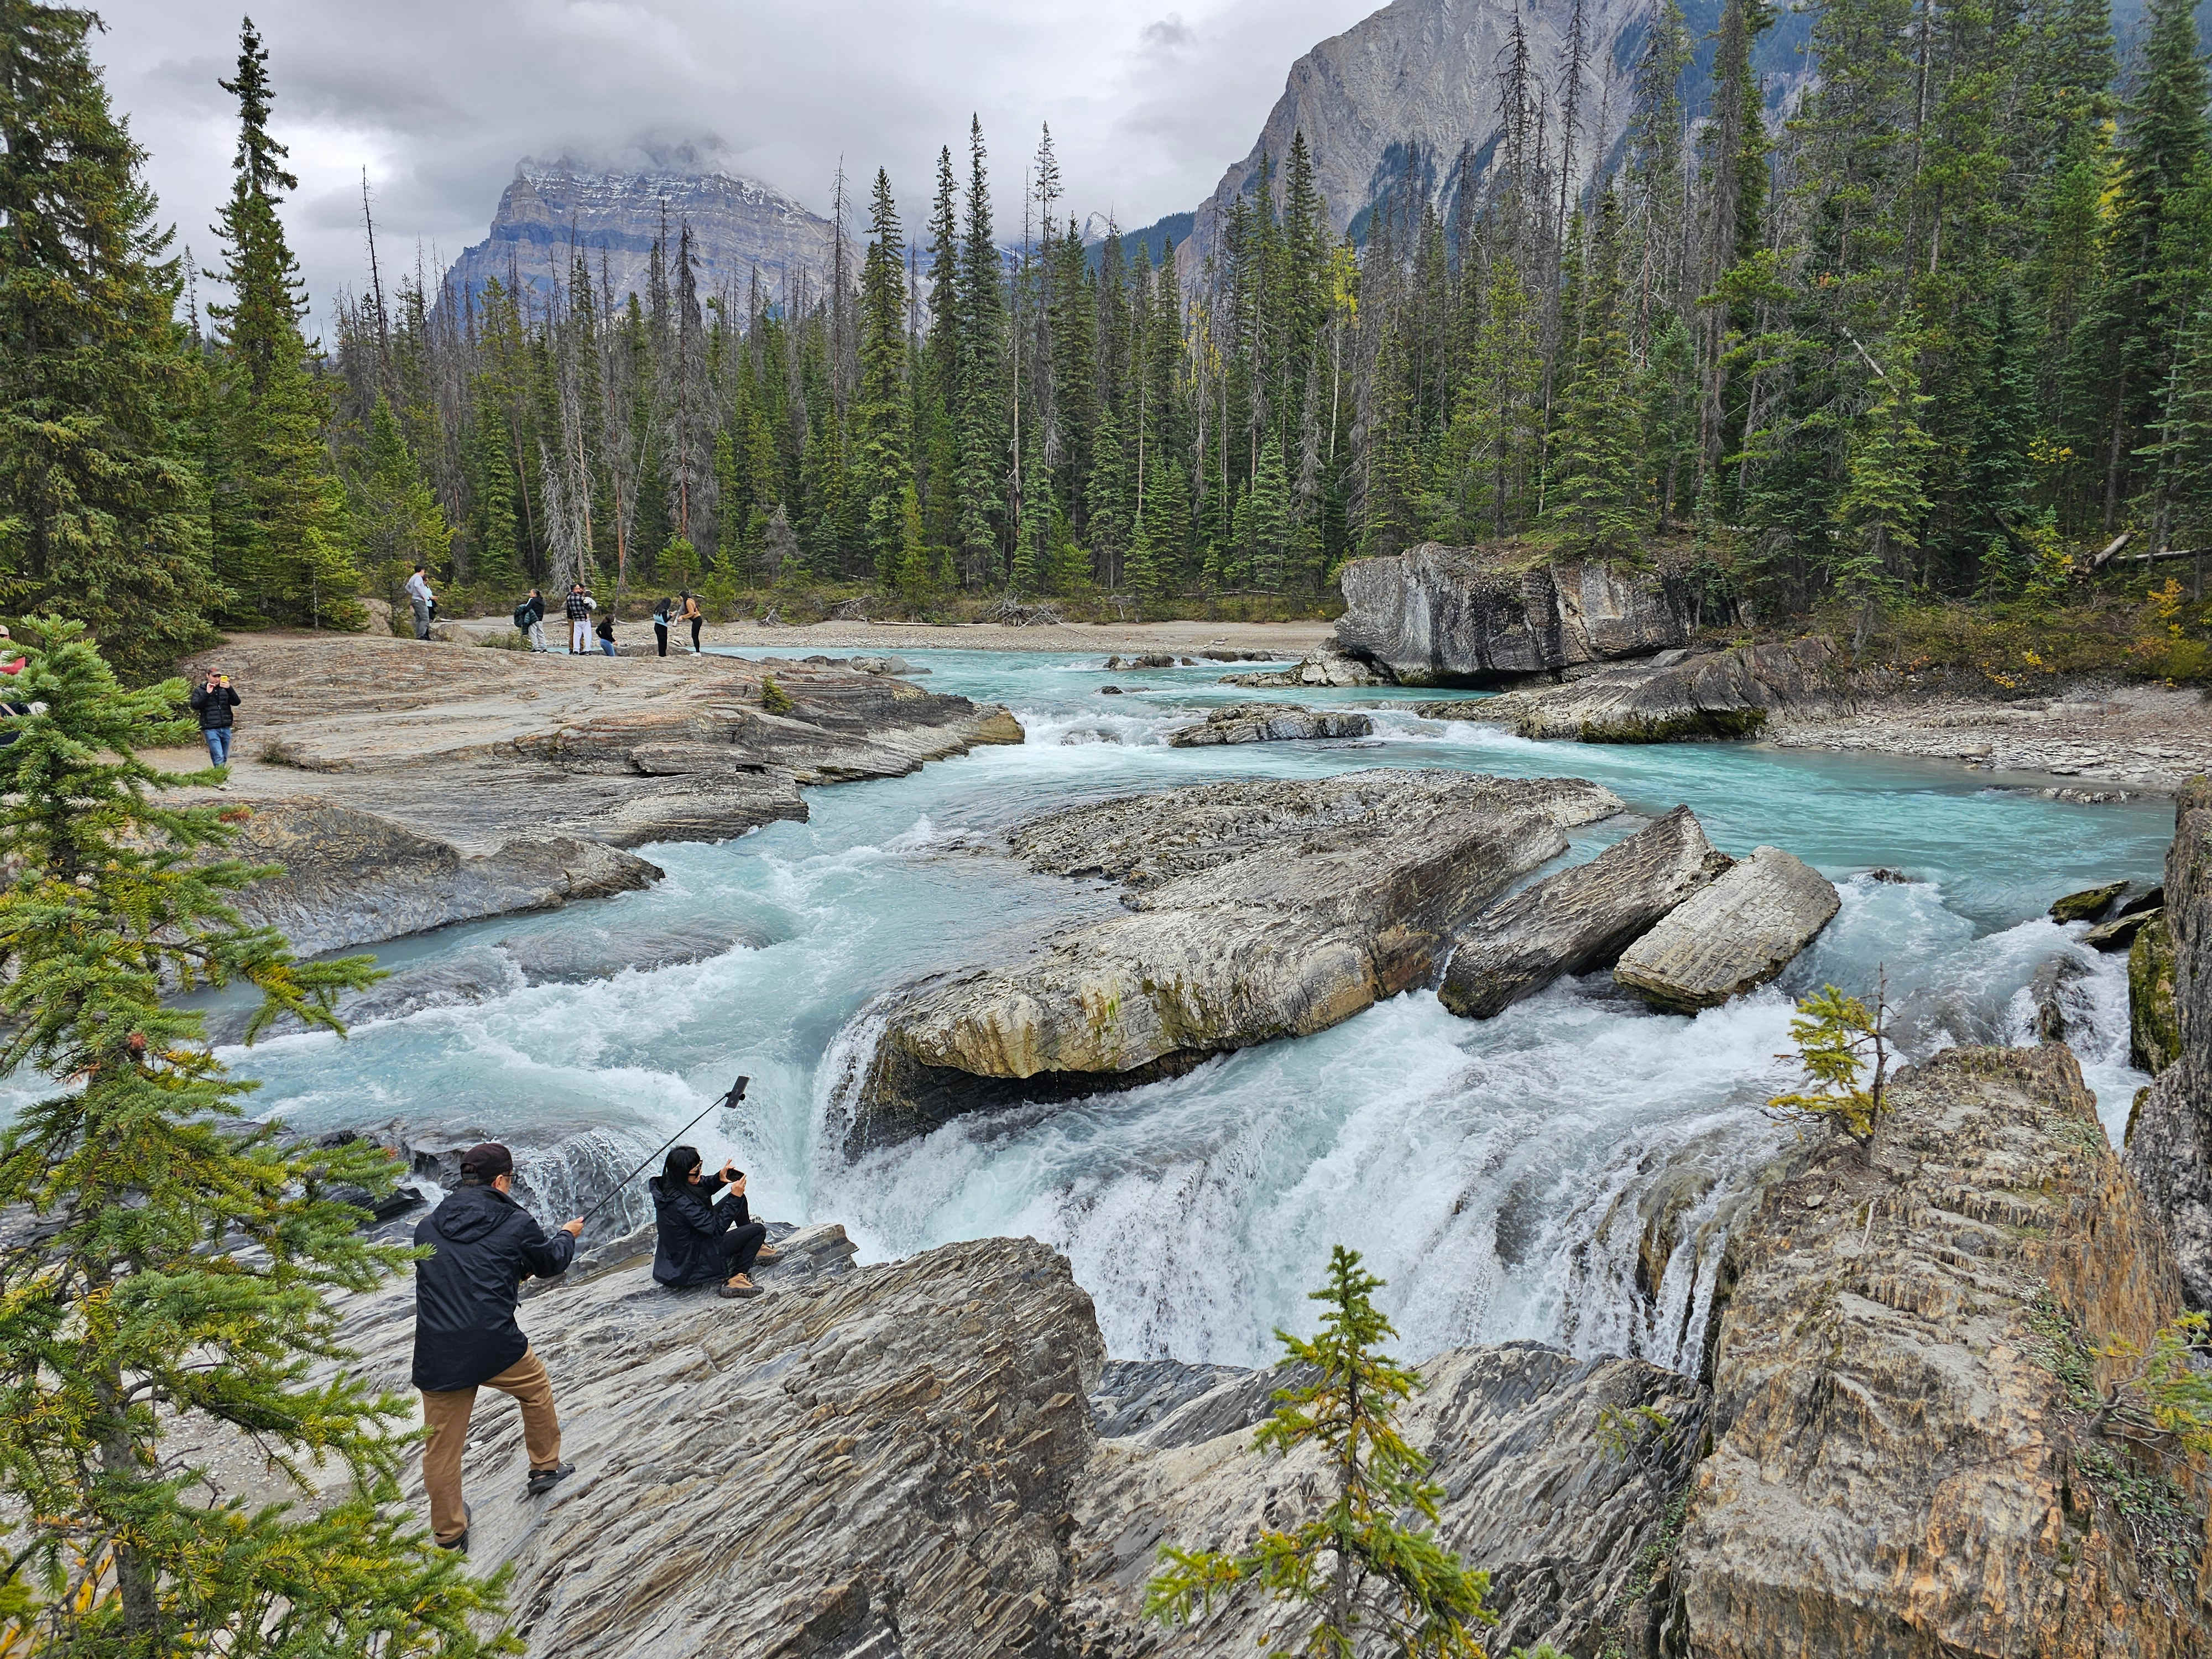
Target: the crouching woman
pixel 701 1240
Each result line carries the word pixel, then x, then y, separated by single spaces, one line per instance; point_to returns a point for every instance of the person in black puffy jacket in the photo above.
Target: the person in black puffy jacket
pixel 699 1240
pixel 483 1245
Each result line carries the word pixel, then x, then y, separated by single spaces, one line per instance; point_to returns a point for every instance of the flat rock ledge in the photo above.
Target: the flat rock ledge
pixel 1252 911
pixel 1738 932
pixel 406 785
pixel 1580 919
pixel 1676 697
pixel 1268 722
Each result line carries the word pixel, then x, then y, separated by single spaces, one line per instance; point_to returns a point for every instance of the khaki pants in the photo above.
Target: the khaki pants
pixel 446 1416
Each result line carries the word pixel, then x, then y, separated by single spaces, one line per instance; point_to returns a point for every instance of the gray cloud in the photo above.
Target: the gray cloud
pixel 439 99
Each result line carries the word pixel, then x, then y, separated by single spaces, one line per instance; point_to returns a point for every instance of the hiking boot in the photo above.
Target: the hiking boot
pixel 460 1544
pixel 768 1254
pixel 543 1481
pixel 740 1287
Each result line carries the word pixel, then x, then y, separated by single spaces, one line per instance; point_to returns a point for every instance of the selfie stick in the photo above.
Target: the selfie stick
pixel 737 1093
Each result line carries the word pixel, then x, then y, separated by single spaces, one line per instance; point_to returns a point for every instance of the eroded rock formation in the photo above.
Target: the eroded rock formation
pixel 1268 722
pixel 1691 696
pixel 1253 911
pixel 1905 1378
pixel 2169 1146
pixel 1579 919
pixel 1740 932
pixel 1452 615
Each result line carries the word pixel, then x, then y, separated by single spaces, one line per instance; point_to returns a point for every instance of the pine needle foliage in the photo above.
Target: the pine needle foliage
pixel 1371 1578
pixel 1838 1038
pixel 166 1285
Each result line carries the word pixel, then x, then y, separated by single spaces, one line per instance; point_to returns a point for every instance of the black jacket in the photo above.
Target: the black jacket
pixel 533 608
pixel 690 1250
pixel 486 1245
pixel 214 707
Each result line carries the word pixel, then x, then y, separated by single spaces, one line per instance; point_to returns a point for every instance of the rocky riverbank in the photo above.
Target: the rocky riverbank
pixel 1891 1446
pixel 404 786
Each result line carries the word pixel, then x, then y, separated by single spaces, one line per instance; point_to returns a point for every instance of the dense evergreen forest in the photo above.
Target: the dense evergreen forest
pixel 1938 323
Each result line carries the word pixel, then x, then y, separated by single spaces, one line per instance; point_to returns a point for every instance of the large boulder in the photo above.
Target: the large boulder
pixel 1905 1373
pixel 1328 665
pixel 1253 911
pixel 1268 722
pixel 1579 919
pixel 1716 694
pixel 2169 1146
pixel 1455 616
pixel 1734 934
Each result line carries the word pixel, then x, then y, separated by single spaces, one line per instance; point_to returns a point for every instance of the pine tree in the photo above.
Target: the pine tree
pixel 279 511
pixel 178 1270
pixel 1364 1566
pixel 1107 504
pixel 880 414
pixel 980 489
pixel 103 514
pixel 395 519
pixel 1594 501
pixel 1883 503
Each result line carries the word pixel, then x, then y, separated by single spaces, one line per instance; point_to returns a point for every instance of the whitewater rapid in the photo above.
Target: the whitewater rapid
pixel 1500 1175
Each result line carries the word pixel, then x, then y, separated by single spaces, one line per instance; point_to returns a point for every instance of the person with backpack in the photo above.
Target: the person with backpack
pixel 662 613
pixel 530 621
pixel 580 607
pixel 482 1245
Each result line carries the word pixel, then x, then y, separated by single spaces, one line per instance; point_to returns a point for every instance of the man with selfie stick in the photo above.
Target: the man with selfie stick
pixel 483 1245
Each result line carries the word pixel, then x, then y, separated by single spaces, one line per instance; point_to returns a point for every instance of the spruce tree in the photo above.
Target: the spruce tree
pixel 174 1281
pixel 1107 504
pixel 1365 1569
pixel 103 513
pixel 395 518
pixel 980 489
pixel 1594 502
pixel 1883 504
pixel 279 511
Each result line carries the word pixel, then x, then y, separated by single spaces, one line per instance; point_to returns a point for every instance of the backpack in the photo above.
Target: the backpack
pixel 522 617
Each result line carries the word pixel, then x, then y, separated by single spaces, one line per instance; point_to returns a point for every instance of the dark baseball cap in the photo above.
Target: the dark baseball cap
pixel 488 1161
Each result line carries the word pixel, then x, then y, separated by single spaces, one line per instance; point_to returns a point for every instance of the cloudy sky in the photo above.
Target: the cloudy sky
pixel 438 99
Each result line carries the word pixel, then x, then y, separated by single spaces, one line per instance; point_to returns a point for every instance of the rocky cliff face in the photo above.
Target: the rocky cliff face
pixel 1453 615
pixel 1904 1374
pixel 556 210
pixel 2169 1149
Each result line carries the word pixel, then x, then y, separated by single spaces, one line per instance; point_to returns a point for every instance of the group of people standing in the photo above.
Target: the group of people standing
pixel 579 606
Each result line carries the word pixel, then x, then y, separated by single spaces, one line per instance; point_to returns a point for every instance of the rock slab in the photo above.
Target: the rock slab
pixel 1457 616
pixel 1904 1377
pixel 1704 695
pixel 1738 932
pixel 1580 919
pixel 1252 911
pixel 1268 722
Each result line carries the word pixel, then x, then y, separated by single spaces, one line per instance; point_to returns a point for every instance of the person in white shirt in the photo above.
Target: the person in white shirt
pixel 419 596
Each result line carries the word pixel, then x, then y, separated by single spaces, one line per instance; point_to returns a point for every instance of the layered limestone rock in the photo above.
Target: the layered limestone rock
pixel 2169 1148
pixel 1905 1376
pixel 1268 722
pixel 1738 932
pixel 1579 919
pixel 1451 615
pixel 1722 694
pixel 405 784
pixel 1253 911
